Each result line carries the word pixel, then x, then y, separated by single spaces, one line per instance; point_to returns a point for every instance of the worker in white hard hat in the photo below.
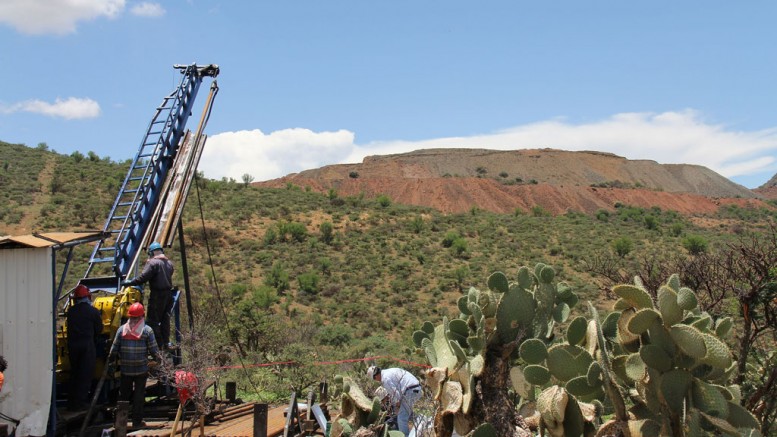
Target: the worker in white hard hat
pixel 403 391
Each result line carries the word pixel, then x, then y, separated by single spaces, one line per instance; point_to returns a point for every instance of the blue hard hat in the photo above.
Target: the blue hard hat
pixel 154 246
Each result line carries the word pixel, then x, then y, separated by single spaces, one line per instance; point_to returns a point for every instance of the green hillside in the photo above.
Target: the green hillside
pixel 308 277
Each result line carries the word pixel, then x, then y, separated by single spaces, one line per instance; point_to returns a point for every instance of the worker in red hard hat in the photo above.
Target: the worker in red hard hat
pixel 133 344
pixel 84 325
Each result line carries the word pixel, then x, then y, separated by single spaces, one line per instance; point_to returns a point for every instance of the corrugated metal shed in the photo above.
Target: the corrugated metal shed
pixel 27 288
pixel 26 314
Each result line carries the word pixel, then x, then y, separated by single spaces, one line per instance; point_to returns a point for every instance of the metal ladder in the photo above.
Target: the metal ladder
pixel 138 196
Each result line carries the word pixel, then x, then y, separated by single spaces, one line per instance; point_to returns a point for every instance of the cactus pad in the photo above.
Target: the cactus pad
pixel 723 327
pixel 708 399
pixel 674 387
pixel 576 330
pixel 564 290
pixel 594 374
pixel 718 354
pixel 451 397
pixel 498 282
pixel 635 296
pixel 654 357
pixel 578 386
pixel 561 312
pixel 689 340
pixel 642 320
pixel 610 324
pixel 444 354
pixel 525 278
pixel 552 404
pixel 460 327
pixel 520 384
pixel 644 428
pixel 740 417
pixel 547 274
pixel 635 367
pixel 515 315
pixel 428 327
pixel 418 336
pixel 462 303
pixel 671 312
pixel 686 299
pixel 566 361
pixel 533 351
pixel 536 375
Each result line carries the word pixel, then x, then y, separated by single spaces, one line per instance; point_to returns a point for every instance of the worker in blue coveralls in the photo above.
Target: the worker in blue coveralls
pixel 158 272
pixel 403 391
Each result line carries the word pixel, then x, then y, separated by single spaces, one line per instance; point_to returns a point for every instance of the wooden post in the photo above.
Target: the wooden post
pixel 202 426
pixel 122 414
pixel 177 419
pixel 260 420
pixel 231 391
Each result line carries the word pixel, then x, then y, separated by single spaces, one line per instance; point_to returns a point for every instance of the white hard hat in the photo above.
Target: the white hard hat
pixel 372 371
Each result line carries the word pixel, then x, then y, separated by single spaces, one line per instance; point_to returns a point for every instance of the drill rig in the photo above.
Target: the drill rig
pixel 147 208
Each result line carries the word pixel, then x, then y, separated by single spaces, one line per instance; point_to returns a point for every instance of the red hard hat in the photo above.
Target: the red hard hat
pixel 136 310
pixel 80 291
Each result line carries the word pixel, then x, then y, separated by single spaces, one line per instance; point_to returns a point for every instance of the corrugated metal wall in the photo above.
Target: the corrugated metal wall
pixel 26 319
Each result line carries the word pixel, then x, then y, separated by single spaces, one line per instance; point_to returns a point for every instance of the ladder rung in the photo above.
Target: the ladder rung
pixel 102 260
pixel 119 217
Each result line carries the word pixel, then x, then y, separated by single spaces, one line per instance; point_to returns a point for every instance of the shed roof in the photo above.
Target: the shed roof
pixel 48 239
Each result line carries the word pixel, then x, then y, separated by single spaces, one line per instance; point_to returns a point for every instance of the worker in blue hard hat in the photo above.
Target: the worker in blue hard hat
pixel 158 273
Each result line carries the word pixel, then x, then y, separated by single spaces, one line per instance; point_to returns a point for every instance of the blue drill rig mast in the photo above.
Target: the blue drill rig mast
pixel 137 207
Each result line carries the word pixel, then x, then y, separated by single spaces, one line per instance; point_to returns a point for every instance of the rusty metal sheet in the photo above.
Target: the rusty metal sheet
pixel 242 426
pixel 46 239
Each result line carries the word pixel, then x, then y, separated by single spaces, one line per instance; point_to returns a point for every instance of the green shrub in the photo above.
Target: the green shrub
pixel 309 282
pixel 327 232
pixel 695 244
pixel 622 246
pixel 383 200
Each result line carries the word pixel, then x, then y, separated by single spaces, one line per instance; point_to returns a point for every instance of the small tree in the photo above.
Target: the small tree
pixel 247 179
pixel 327 232
pixel 622 246
pixel 695 244
pixel 384 201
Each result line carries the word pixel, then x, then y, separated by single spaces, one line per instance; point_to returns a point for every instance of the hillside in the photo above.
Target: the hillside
pixel 456 180
pixel 769 189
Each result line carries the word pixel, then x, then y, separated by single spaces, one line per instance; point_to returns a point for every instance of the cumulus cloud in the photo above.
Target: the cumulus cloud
pixel 678 137
pixel 268 156
pixel 147 9
pixel 70 108
pixel 37 17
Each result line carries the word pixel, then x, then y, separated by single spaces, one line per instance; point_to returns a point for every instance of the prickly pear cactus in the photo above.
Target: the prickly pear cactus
pixel 672 360
pixel 357 410
pixel 475 350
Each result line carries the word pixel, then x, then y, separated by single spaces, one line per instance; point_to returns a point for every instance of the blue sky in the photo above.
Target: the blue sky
pixel 310 83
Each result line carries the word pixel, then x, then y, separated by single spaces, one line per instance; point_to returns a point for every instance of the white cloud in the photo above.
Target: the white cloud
pixel 37 17
pixel 680 137
pixel 147 9
pixel 268 156
pixel 70 108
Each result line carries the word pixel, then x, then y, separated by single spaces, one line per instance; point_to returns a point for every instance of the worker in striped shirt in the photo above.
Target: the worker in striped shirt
pixel 133 344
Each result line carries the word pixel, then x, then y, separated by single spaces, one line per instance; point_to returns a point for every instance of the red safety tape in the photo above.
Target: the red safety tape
pixel 322 363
